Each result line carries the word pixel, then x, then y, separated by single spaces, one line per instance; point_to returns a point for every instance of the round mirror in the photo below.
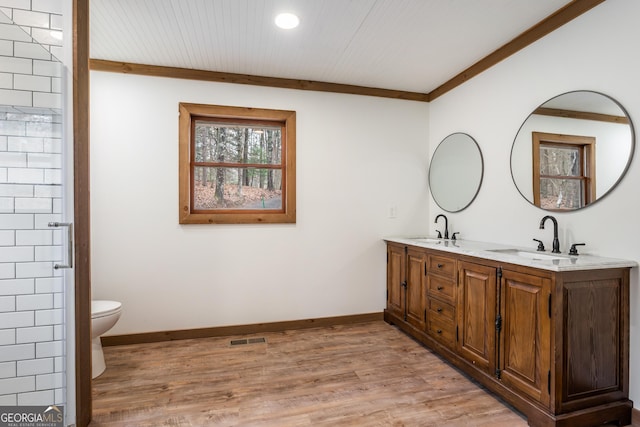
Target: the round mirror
pixel 572 150
pixel 455 172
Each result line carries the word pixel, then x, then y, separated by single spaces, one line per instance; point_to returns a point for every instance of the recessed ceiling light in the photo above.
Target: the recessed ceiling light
pixel 287 21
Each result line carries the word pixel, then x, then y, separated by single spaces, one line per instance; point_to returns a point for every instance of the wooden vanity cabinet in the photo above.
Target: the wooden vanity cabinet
pixel 554 344
pixel 477 315
pixel 525 334
pixel 415 288
pixel 591 323
pixel 396 271
pixel 421 290
pixel 406 267
pixel 441 277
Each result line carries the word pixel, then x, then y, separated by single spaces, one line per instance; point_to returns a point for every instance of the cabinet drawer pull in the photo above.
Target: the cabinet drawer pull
pixel 440 265
pixel 439 310
pixel 440 288
pixel 439 331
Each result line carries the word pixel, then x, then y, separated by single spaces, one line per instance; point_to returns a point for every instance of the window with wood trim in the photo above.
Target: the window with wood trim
pixel 563 171
pixel 237 165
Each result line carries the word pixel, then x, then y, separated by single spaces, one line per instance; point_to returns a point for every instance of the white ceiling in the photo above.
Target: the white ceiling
pixel 407 45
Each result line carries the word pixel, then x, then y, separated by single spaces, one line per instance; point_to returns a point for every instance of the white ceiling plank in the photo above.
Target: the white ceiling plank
pixel 408 45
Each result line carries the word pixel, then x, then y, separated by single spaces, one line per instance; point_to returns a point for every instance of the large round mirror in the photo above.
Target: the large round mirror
pixel 572 150
pixel 455 173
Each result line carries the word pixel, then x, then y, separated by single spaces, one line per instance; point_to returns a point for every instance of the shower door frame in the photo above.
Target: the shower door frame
pixel 81 212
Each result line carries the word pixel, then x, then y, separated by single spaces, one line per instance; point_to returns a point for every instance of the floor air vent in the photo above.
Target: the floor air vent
pixel 248 341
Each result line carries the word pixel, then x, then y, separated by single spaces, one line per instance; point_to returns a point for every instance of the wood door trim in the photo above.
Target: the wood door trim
pixel 82 271
pixel 222 331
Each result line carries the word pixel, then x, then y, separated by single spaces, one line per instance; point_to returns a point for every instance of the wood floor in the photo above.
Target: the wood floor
pixel 367 374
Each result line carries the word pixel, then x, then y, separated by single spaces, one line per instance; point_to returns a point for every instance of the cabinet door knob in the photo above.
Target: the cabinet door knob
pixel 439 310
pixel 439 265
pixel 439 331
pixel 440 288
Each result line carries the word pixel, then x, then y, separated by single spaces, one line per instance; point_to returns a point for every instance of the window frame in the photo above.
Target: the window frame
pixel 188 113
pixel 585 145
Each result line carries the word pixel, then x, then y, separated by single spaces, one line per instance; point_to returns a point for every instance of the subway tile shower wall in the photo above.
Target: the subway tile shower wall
pixel 32 328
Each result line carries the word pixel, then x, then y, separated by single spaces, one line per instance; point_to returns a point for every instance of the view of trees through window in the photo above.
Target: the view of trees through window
pixel 563 179
pixel 560 178
pixel 237 165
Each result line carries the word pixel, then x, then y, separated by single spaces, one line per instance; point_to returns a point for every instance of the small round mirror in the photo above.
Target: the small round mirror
pixel 572 151
pixel 455 172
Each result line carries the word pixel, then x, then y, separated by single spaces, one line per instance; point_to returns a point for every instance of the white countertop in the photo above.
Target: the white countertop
pixel 528 257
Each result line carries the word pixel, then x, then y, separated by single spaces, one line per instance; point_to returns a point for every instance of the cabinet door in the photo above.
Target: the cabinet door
pixel 525 337
pixel 395 279
pixel 476 312
pixel 416 292
pixel 595 338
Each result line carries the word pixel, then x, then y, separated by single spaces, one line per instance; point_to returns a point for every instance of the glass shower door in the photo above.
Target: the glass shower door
pixel 35 231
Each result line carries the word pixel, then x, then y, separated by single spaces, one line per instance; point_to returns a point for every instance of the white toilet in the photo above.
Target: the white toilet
pixel 104 314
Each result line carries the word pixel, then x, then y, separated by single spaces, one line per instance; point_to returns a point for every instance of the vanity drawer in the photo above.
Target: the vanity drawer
pixel 442 331
pixel 441 311
pixel 443 266
pixel 441 288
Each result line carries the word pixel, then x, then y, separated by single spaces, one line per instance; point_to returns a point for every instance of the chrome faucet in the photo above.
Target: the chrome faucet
pixel 446 226
pixel 556 242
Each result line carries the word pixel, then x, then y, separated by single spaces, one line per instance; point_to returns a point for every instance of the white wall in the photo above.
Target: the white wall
pixel 597 51
pixel 357 157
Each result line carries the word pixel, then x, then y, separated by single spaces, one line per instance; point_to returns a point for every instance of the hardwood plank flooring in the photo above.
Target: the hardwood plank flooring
pixel 367 374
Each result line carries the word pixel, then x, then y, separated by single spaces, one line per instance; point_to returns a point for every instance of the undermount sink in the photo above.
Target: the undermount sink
pixel 529 255
pixel 426 240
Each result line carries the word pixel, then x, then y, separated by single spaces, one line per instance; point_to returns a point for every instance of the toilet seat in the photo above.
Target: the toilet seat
pixel 102 308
